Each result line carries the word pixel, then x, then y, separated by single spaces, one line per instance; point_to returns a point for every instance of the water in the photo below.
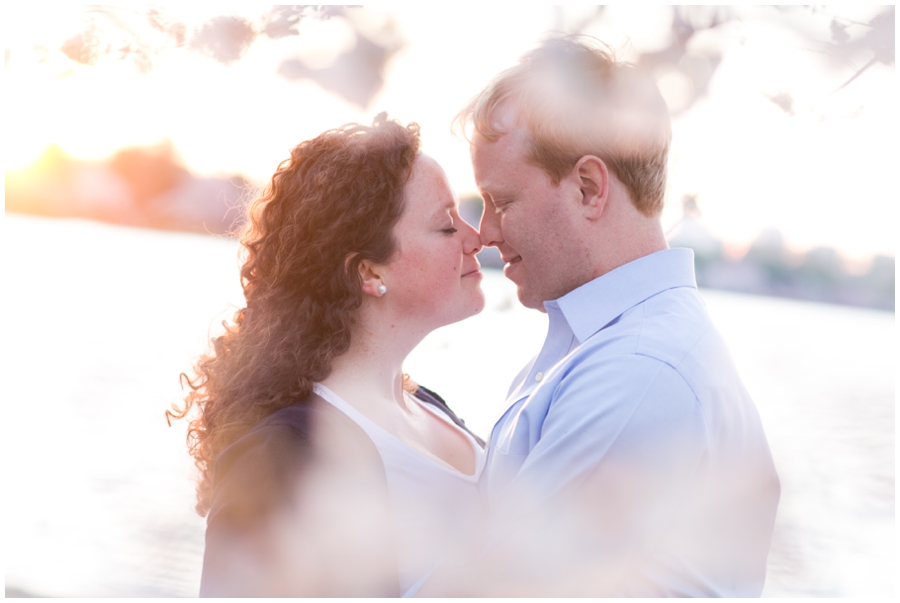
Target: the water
pixel 100 320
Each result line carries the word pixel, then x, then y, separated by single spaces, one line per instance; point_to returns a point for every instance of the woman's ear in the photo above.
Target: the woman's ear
pixel 593 180
pixel 370 277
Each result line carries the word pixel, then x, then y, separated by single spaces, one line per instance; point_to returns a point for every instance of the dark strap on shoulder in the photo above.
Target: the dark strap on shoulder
pixel 426 395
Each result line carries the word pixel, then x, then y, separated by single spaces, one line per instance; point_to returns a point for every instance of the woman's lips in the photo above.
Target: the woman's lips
pixel 474 271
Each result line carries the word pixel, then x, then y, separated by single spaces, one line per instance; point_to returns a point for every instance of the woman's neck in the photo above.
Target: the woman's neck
pixel 371 371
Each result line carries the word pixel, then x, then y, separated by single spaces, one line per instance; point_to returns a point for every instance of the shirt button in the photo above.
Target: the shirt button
pixel 538 377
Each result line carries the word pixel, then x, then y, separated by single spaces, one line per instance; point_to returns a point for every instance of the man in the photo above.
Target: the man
pixel 631 460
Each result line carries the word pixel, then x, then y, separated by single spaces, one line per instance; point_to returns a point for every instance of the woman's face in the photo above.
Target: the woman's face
pixel 434 276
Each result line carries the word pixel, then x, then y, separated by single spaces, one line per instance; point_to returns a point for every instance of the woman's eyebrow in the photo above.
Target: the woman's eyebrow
pixel 451 205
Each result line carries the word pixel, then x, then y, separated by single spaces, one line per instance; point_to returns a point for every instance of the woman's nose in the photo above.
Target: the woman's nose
pixel 472 240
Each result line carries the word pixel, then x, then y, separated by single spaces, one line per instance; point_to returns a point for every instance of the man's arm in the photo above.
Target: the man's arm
pixel 618 447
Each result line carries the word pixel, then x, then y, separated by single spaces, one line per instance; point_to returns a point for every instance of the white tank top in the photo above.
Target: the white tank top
pixel 436 510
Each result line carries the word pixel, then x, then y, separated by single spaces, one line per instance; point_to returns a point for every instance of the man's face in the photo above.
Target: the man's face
pixel 528 219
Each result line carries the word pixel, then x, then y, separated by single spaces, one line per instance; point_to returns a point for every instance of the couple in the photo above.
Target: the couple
pixel 630 460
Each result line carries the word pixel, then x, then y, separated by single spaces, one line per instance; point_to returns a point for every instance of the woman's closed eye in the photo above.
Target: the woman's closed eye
pixel 450 228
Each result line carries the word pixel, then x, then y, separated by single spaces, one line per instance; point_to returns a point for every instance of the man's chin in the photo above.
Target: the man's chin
pixel 529 299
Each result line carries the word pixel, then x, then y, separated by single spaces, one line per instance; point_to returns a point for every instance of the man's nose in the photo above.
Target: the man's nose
pixel 489 227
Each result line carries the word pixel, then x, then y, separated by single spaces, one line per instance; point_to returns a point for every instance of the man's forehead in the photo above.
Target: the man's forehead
pixel 510 146
pixel 505 117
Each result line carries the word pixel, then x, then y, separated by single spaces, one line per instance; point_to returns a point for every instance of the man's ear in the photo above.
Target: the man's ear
pixel 370 278
pixel 593 182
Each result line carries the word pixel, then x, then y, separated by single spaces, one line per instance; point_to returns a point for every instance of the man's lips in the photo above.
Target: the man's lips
pixel 510 265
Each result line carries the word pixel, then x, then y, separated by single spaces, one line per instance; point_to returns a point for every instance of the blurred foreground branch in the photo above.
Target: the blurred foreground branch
pixel 141 36
pixel 691 65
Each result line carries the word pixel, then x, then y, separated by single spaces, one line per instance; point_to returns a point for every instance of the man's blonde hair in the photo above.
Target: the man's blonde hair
pixel 577 99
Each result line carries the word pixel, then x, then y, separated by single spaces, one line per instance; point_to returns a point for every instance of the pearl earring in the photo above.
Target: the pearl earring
pixel 382 289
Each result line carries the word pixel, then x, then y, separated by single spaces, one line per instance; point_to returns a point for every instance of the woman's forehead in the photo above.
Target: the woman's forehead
pixel 428 191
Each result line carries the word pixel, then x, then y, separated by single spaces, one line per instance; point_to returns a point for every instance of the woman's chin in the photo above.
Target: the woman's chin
pixel 480 305
pixel 475 307
pixel 467 309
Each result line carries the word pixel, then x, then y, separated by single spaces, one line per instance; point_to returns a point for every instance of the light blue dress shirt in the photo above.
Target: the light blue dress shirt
pixel 631 460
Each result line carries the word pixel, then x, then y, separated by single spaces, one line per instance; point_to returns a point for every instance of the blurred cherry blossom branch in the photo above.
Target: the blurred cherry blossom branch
pixel 119 33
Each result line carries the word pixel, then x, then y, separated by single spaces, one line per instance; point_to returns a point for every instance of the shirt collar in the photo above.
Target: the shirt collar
pixel 595 304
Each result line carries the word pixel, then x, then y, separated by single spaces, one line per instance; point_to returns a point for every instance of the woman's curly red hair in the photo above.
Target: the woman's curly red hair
pixel 331 205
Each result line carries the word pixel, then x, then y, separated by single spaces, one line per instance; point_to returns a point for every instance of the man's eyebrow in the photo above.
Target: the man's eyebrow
pixel 495 192
pixel 485 192
pixel 500 198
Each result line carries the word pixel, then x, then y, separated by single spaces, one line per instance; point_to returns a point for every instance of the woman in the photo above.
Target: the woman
pixel 324 471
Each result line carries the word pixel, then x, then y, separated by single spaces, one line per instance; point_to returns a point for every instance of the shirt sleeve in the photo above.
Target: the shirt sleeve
pixel 614 456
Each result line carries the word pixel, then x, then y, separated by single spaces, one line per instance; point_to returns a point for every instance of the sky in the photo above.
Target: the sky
pixel 823 175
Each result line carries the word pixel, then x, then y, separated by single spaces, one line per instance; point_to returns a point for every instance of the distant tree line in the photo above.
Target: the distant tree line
pixel 149 187
pixel 771 267
pixel 138 186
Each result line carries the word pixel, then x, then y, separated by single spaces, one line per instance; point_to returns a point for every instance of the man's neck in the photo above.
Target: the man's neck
pixel 640 236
